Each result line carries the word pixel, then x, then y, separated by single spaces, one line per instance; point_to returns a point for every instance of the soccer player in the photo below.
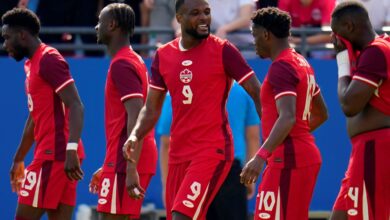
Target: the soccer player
pixel 244 123
pixel 292 107
pixel 198 70
pixel 55 122
pixel 125 94
pixel 363 61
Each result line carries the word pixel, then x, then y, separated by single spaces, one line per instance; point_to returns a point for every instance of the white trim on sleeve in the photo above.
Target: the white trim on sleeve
pixel 156 87
pixel 318 92
pixel 245 77
pixel 64 84
pixel 285 93
pixel 366 81
pixel 131 96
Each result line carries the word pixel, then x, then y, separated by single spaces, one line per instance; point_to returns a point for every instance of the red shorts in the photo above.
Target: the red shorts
pixel 286 193
pixel 365 189
pixel 192 185
pixel 46 185
pixel 113 196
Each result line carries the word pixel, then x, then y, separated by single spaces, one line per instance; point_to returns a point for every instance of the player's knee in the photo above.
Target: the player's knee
pixel 179 216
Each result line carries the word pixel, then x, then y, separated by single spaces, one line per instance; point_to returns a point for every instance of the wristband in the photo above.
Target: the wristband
pixel 72 146
pixel 343 64
pixel 133 138
pixel 263 153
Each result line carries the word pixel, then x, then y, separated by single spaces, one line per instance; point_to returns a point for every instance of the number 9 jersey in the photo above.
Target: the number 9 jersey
pixel 199 81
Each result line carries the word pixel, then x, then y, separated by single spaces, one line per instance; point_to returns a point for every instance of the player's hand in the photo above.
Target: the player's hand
pixel 133 187
pixel 95 180
pixel 17 176
pixel 250 191
pixel 252 170
pixel 129 148
pixel 338 43
pixel 72 166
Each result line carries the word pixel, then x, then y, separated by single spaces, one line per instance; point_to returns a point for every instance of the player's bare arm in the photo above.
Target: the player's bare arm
pixel 318 112
pixel 252 87
pixel 286 106
pixel 133 106
pixel 71 99
pixel 147 118
pixel 17 167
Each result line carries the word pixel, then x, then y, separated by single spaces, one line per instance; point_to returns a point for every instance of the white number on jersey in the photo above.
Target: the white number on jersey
pixel 311 85
pixel 105 187
pixel 195 189
pixel 187 92
pixel 30 181
pixel 268 200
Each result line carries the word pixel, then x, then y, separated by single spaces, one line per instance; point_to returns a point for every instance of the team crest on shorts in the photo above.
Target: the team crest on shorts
pixel 186 76
pixel 102 201
pixel 23 193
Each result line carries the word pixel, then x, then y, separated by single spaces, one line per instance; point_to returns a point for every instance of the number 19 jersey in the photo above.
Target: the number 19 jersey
pixel 199 80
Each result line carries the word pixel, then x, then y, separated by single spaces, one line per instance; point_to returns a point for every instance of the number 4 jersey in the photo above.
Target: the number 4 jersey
pixel 199 81
pixel 290 74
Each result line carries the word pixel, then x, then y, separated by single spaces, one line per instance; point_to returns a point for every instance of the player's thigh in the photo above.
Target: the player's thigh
pixel 45 185
pixel 108 216
pixel 63 212
pixel 285 193
pixel 202 180
pixel 338 215
pixel 27 212
pixel 113 196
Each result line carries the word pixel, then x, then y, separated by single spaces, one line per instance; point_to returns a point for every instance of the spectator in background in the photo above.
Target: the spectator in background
pixel 266 3
pixel 235 16
pixel 378 11
pixel 162 15
pixel 231 200
pixel 309 13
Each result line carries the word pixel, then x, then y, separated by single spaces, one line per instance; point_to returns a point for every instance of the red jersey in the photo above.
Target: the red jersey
pixel 199 81
pixel 127 78
pixel 290 74
pixel 373 68
pixel 46 74
pixel 318 13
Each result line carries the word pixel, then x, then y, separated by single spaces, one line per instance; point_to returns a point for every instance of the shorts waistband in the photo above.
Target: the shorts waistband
pixel 370 135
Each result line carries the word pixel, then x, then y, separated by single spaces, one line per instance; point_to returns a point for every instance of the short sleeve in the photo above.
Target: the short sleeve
pixel 317 90
pixel 371 67
pixel 126 80
pixel 234 64
pixel 156 81
pixel 283 79
pixel 164 125
pixel 55 71
pixel 251 117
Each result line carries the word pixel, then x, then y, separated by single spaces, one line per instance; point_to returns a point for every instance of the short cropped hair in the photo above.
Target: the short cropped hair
pixel 276 21
pixel 124 15
pixel 350 8
pixel 22 18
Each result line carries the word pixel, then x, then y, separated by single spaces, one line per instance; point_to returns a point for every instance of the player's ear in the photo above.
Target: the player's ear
pixel 112 25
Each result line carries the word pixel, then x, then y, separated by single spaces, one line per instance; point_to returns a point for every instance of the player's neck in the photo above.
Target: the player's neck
pixel 186 43
pixel 33 46
pixel 115 45
pixel 367 39
pixel 278 47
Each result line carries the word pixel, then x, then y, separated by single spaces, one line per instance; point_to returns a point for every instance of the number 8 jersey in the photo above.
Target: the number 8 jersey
pixel 290 74
pixel 199 81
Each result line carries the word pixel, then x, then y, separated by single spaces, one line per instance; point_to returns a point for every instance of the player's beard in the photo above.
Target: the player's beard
pixel 196 35
pixel 20 53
